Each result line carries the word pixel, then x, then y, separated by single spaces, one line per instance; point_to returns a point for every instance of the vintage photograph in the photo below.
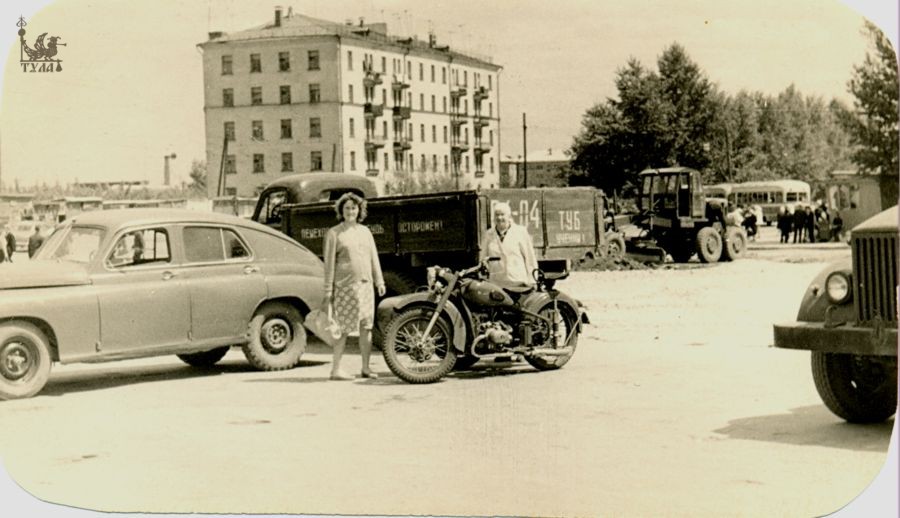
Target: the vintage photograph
pixel 396 258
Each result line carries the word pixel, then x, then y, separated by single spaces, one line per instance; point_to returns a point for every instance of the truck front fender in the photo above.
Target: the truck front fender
pixel 390 306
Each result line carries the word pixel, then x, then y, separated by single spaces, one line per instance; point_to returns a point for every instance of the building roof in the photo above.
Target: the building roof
pixel 297 25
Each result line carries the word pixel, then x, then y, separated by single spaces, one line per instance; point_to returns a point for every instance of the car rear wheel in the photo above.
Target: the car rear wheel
pixel 204 358
pixel 277 337
pixel 24 360
pixel 859 389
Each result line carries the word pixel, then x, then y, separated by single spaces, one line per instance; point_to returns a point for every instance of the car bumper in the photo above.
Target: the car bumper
pixel 846 338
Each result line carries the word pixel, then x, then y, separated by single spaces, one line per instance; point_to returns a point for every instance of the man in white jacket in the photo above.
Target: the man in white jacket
pixel 512 244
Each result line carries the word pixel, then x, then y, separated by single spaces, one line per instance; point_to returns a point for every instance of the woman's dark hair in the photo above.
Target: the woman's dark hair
pixel 350 197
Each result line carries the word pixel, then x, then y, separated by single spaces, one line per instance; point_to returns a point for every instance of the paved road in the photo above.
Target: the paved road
pixel 673 405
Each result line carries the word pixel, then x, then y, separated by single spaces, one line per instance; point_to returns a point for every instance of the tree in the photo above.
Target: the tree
pixel 873 126
pixel 198 176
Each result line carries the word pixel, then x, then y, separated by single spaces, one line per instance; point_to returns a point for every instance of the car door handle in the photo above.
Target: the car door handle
pixel 168 275
pixel 250 269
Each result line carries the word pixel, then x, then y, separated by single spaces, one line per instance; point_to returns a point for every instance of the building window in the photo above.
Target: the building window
pixel 445 134
pixel 231 191
pixel 228 97
pixel 285 94
pixel 256 95
pixel 383 65
pixel 259 163
pixel 312 57
pixel 432 77
pixel 492 137
pixel 229 131
pixel 257 133
pixel 465 78
pixel 434 163
pixel 284 61
pixel 444 108
pixel 433 133
pixel 314 93
pixel 444 78
pixel 226 66
pixel 286 131
pixel 353 160
pixel 423 163
pixel 490 82
pixel 349 60
pixel 422 102
pixel 315 161
pixel 287 162
pixel 255 63
pixel 421 72
pixel 350 92
pixel 230 167
pixel 433 104
pixel 386 162
pixel 467 163
pixel 445 164
pixel 490 109
pixel 352 129
pixel 315 127
pixel 492 158
pixel 384 129
pixel 422 133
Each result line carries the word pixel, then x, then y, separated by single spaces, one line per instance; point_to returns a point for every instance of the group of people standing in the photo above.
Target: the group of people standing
pixel 809 225
pixel 8 243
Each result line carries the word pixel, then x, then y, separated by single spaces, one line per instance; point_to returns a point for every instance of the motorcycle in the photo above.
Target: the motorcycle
pixel 463 318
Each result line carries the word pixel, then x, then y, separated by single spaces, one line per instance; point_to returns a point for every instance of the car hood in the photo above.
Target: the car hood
pixel 42 274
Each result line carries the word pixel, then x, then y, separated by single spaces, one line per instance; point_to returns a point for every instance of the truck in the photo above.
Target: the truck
pixel 676 218
pixel 413 232
pixel 848 321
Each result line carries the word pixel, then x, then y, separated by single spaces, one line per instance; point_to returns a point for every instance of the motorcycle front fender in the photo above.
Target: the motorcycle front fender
pixel 390 306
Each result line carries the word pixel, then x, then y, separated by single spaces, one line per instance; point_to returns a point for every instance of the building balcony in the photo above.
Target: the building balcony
pixel 371 79
pixel 375 142
pixel 458 119
pixel 481 147
pixel 479 173
pixel 399 82
pixel 402 112
pixel 481 121
pixel 403 143
pixel 480 93
pixel 372 172
pixel 458 91
pixel 459 146
pixel 373 110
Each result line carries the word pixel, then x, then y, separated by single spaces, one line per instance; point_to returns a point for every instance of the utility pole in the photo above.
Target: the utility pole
pixel 524 152
pixel 728 155
pixel 166 175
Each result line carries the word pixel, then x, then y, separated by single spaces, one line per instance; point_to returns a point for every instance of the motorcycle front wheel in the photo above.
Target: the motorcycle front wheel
pixel 541 338
pixel 410 354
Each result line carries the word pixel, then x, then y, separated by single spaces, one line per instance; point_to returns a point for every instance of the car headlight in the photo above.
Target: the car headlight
pixel 837 287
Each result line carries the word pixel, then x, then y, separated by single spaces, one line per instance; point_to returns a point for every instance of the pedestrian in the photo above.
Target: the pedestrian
pixel 810 224
pixel 785 219
pixel 837 226
pixel 351 269
pixel 799 222
pixel 3 257
pixel 10 244
pixel 512 244
pixel 749 224
pixel 35 241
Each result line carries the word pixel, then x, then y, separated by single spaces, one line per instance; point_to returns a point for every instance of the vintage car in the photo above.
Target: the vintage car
pixel 848 319
pixel 119 284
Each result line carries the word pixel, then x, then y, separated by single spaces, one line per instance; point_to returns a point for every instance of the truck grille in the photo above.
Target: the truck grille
pixel 875 276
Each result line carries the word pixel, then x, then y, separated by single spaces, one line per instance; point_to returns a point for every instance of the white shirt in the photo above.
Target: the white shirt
pixel 516 253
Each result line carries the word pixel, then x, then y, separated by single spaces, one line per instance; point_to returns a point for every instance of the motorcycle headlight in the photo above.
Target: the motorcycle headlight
pixel 837 287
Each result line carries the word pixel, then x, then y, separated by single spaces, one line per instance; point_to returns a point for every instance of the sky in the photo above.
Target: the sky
pixel 131 88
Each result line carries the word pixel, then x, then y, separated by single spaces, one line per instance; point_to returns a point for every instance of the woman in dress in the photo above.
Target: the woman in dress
pixel 351 270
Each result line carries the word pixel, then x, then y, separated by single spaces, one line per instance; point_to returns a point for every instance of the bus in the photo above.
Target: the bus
pixel 770 195
pixel 719 190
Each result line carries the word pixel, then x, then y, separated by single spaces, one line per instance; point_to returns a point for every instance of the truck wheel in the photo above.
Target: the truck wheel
pixel 709 245
pixel 397 283
pixel 24 360
pixel 859 389
pixel 735 243
pixel 277 337
pixel 615 245
pixel 204 358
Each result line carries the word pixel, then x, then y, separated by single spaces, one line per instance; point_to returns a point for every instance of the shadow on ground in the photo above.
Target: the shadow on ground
pixel 811 426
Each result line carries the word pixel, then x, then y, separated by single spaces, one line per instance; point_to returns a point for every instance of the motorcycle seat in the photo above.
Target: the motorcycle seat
pixel 519 290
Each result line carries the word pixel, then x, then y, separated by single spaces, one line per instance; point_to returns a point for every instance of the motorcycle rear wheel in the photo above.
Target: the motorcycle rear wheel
pixel 569 326
pixel 413 357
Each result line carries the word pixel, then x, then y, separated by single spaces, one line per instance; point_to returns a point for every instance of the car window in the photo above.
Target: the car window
pixel 78 245
pixel 211 244
pixel 140 247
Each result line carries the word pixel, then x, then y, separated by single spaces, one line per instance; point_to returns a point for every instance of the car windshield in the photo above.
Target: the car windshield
pixel 77 244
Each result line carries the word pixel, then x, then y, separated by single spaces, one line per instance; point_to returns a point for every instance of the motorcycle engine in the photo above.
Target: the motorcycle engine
pixel 496 333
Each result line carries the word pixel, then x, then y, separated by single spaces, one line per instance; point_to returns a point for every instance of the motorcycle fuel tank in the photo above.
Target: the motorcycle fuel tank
pixel 486 293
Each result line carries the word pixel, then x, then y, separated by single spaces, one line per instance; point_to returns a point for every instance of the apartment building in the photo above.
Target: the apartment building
pixel 302 94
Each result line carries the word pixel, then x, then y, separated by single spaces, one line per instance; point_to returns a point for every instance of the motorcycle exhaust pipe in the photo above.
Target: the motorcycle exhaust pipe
pixel 552 352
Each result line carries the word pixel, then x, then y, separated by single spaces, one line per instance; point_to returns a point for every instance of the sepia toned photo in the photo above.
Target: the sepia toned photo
pixel 395 258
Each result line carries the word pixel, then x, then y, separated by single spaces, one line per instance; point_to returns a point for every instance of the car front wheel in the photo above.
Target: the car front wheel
pixel 24 360
pixel 277 338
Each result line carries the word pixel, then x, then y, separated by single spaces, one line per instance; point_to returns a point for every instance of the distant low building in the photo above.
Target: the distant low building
pixel 544 168
pixel 856 196
pixel 15 206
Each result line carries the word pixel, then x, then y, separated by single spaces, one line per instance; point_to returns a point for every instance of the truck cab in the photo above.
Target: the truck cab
pixel 307 188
